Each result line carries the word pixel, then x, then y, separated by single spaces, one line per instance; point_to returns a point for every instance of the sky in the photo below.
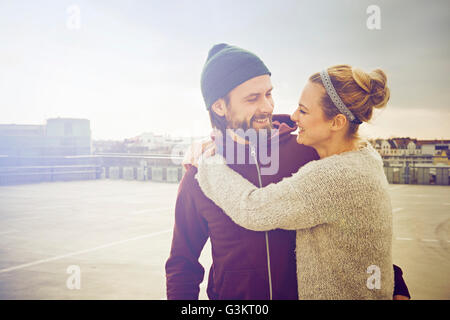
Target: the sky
pixel 134 66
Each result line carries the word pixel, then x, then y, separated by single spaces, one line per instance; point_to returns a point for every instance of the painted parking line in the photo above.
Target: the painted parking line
pixel 52 207
pixel 424 240
pixel 421 195
pixel 7 232
pixel 152 210
pixel 170 209
pixel 21 219
pixel 396 188
pixel 25 265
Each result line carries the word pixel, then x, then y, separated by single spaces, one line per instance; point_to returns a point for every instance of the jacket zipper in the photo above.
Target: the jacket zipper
pixel 266 232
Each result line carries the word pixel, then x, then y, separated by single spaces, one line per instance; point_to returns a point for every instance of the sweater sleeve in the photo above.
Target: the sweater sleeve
pixel 303 200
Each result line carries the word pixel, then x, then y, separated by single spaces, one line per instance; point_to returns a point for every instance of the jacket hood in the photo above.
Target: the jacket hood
pixel 284 124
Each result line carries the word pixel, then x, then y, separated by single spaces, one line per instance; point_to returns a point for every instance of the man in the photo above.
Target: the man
pixel 236 87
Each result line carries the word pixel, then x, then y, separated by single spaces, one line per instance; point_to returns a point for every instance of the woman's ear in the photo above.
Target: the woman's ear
pixel 339 122
pixel 219 107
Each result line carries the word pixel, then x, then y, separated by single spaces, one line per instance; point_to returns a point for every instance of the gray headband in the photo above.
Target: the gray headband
pixel 335 97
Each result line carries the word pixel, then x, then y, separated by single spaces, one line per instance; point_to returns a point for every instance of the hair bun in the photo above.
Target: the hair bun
pixel 362 79
pixel 374 84
pixel 379 92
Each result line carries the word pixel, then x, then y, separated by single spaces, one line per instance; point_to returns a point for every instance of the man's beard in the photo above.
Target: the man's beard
pixel 244 125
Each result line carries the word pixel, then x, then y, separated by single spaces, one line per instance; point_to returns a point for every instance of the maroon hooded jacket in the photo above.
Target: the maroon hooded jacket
pixel 247 264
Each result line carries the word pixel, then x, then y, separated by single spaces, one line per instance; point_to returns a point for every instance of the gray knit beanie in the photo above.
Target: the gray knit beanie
pixel 227 67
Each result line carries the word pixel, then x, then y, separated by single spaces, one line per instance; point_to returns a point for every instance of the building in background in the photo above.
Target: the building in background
pixel 157 144
pixel 22 140
pixel 398 151
pixel 433 147
pixel 65 136
pixel 442 158
pixel 108 146
pixel 146 143
pixel 58 137
pixel 397 147
pixel 409 147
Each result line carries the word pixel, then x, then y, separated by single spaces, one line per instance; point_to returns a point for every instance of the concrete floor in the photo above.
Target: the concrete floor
pixel 119 232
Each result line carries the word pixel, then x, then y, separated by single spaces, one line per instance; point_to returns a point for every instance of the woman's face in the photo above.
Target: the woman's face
pixel 314 129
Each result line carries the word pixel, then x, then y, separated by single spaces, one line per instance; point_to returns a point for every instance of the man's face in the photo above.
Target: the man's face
pixel 251 105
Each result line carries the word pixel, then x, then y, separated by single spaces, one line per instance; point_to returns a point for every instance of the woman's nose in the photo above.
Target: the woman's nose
pixel 294 116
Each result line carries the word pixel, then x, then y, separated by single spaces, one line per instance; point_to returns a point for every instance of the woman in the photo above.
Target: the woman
pixel 339 205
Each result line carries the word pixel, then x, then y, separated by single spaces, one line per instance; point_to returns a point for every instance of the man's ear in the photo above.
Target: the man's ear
pixel 219 107
pixel 339 122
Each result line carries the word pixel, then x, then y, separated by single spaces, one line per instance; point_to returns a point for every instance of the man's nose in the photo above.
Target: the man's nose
pixel 266 106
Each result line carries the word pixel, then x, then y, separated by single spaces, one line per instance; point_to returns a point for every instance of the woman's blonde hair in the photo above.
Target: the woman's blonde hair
pixel 360 91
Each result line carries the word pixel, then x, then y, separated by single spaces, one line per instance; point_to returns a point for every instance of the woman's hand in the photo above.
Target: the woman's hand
pixel 199 150
pixel 206 150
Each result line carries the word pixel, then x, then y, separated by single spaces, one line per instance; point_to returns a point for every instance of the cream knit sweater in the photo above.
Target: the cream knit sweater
pixel 341 210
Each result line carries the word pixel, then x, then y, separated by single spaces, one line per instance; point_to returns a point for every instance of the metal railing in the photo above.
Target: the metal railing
pixel 418 175
pixel 164 168
pixel 30 174
pixel 19 170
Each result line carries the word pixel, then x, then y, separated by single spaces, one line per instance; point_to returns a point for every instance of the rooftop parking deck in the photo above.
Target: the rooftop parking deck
pixel 119 232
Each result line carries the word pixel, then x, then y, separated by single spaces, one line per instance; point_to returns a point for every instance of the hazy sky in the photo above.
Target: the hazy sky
pixel 134 66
